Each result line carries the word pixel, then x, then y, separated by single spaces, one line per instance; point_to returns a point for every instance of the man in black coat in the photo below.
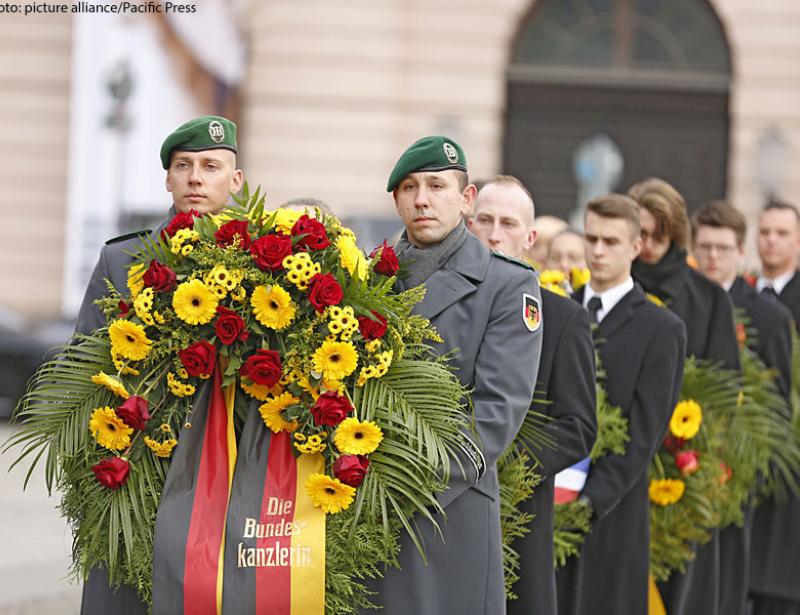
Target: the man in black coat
pixel 199 158
pixel 642 347
pixel 713 582
pixel 718 244
pixel 775 578
pixel 503 221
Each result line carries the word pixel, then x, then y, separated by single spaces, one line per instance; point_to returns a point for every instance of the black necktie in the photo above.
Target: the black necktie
pixel 769 293
pixel 594 306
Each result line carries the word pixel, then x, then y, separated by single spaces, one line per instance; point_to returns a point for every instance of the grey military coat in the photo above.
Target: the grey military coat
pixel 476 302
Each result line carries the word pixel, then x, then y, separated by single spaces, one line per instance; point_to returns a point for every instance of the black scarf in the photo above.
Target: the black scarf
pixel 420 263
pixel 665 278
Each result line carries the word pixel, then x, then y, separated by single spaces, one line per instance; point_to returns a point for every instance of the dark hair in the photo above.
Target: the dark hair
pixel 617 206
pixel 720 214
pixel 463 179
pixel 667 206
pixel 782 205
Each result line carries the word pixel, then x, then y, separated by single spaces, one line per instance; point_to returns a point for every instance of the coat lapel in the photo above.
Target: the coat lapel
pixel 620 313
pixel 457 279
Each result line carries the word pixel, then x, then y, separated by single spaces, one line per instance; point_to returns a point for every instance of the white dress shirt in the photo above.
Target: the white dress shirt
pixel 778 284
pixel 609 297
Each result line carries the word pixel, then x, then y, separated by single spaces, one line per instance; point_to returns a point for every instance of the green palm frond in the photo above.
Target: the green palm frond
pixel 54 413
pixel 517 479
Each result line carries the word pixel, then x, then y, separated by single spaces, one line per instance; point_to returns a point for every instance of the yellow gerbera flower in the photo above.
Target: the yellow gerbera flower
pixel 128 340
pixel 273 307
pixel 271 413
pixel 161 449
pixel 260 391
pixel 551 276
pixel 667 491
pixel 354 437
pixel 285 219
pixel 686 419
pixel 328 493
pixel 109 430
pixel 195 303
pixel 351 257
pixel 335 360
pixel 112 384
pixel 136 279
pixel 579 277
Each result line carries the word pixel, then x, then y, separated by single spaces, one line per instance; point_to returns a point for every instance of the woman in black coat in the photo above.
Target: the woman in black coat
pixel 715 582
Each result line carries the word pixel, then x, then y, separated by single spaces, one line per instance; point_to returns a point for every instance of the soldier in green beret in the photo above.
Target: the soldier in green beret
pixel 200 160
pixel 487 310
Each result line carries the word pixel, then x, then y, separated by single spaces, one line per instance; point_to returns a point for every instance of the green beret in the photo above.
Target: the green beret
pixel 201 133
pixel 428 154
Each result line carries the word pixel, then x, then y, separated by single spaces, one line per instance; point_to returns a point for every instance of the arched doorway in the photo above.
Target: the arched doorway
pixel 648 77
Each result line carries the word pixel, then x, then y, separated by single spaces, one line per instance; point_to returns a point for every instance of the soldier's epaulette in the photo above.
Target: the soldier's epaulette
pixel 511 259
pixel 142 233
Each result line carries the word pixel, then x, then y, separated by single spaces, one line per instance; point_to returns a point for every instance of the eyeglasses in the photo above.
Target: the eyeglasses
pixel 707 248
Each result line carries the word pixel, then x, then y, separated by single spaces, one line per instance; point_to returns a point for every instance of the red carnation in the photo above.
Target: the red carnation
pixel 229 326
pixel 351 469
pixel 112 472
pixel 312 233
pixel 263 367
pixel 133 412
pixel 688 462
pixel 160 277
pixel 324 290
pixel 388 264
pixel 331 409
pixel 180 221
pixel 372 329
pixel 269 251
pixel 199 358
pixel 228 232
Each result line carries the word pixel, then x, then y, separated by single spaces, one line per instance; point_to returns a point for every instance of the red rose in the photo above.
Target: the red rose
pixel 160 277
pixel 372 329
pixel 324 290
pixel 228 232
pixel 269 251
pixel 180 221
pixel 123 308
pixel 134 412
pixel 673 444
pixel 312 233
pixel 112 472
pixel 263 367
pixel 688 462
pixel 199 358
pixel 331 409
pixel 229 326
pixel 351 469
pixel 387 265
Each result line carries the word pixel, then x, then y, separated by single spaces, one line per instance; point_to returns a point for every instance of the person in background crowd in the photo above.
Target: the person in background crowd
pixel 642 348
pixel 775 557
pixel 707 313
pixel 546 228
pixel 778 247
pixel 566 252
pixel 489 308
pixel 565 391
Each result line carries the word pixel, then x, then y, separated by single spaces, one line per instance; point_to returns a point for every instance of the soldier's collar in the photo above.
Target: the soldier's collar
pixel 471 260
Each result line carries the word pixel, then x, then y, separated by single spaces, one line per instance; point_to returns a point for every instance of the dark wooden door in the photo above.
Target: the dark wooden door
pixel 679 136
